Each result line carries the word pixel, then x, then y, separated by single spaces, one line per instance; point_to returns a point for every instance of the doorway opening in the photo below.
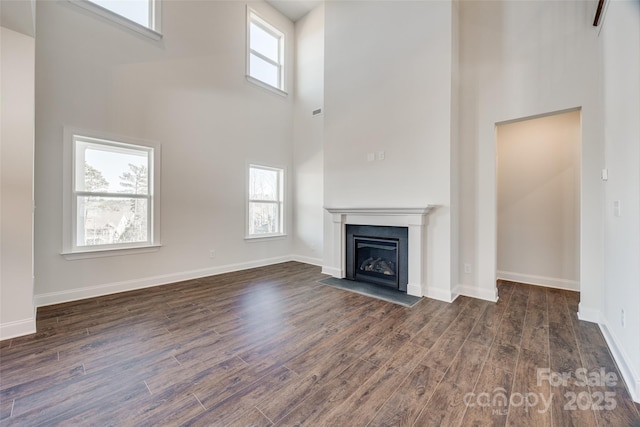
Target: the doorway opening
pixel 538 200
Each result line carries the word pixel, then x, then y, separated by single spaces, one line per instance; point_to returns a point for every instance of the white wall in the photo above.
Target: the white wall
pixel 539 200
pixel 17 54
pixel 187 92
pixel 388 68
pixel 308 137
pixel 621 72
pixel 522 59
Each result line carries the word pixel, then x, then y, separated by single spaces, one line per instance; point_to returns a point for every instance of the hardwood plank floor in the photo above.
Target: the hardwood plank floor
pixel 272 346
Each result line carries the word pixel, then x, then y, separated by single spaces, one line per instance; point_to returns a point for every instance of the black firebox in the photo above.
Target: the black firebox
pixel 377 254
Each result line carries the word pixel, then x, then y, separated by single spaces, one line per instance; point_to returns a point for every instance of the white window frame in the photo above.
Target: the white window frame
pixel 71 250
pixel 253 17
pixel 153 31
pixel 280 202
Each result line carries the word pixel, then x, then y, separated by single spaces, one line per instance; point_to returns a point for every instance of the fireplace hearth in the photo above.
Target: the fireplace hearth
pixel 378 255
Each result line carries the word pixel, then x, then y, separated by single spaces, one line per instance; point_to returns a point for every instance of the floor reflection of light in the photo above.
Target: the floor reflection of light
pixel 262 309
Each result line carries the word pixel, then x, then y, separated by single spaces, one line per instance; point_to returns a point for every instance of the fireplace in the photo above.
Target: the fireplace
pixel 414 220
pixel 377 254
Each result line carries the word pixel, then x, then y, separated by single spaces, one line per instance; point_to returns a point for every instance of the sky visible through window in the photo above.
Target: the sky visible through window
pixel 264 42
pixel 112 165
pixel 264 184
pixel 135 10
pixel 265 55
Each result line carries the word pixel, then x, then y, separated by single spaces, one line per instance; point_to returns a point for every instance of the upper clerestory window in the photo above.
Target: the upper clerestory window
pixel 265 53
pixel 142 16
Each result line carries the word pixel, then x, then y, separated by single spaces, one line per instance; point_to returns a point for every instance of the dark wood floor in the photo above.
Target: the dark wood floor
pixel 273 346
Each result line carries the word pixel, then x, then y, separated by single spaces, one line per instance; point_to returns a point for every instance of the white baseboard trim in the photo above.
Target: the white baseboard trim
pixel 589 314
pixel 414 290
pixel 440 294
pixel 130 285
pixel 548 282
pixel 332 271
pixel 307 260
pixel 474 292
pixel 17 328
pixel 629 375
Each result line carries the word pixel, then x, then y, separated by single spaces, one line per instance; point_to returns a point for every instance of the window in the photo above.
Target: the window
pixel 111 201
pixel 142 16
pixel 265 52
pixel 265 206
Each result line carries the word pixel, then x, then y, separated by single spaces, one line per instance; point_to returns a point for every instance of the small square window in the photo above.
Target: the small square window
pixel 110 198
pixel 265 60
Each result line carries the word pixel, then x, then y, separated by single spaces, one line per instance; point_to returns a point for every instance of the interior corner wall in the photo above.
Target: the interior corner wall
pixel 17 55
pixel 187 92
pixel 523 59
pixel 387 124
pixel 538 173
pixel 621 71
pixel 455 149
pixel 308 128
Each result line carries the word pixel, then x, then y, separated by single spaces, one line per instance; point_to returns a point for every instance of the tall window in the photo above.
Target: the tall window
pixel 265 201
pixel 265 53
pixel 112 194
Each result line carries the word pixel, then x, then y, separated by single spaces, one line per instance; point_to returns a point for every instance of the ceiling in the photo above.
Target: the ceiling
pixel 18 16
pixel 294 9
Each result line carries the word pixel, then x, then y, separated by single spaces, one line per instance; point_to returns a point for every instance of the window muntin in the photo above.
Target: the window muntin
pixel 265 201
pixel 112 194
pixel 264 71
pixel 265 52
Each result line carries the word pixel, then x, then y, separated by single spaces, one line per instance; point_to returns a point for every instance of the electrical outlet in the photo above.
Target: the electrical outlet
pixel 622 320
pixel 212 253
pixel 467 268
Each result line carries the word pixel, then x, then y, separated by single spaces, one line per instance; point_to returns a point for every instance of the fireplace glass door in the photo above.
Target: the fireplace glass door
pixel 376 260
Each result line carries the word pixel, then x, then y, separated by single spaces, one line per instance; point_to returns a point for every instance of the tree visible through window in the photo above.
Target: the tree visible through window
pixel 265 210
pixel 113 198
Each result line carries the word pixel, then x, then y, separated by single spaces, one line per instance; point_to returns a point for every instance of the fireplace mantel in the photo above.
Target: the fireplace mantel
pixel 381 211
pixel 413 218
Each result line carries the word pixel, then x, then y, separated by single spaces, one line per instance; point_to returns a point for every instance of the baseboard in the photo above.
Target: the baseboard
pixel 307 260
pixel 130 285
pixel 17 328
pixel 589 314
pixel 625 367
pixel 548 282
pixel 474 292
pixel 414 289
pixel 332 271
pixel 440 294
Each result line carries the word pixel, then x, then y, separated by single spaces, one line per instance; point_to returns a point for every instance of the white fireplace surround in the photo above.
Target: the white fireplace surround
pixel 415 219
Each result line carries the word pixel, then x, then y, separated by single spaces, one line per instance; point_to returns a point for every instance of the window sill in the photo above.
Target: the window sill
pixel 265 237
pixel 267 86
pixel 100 253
